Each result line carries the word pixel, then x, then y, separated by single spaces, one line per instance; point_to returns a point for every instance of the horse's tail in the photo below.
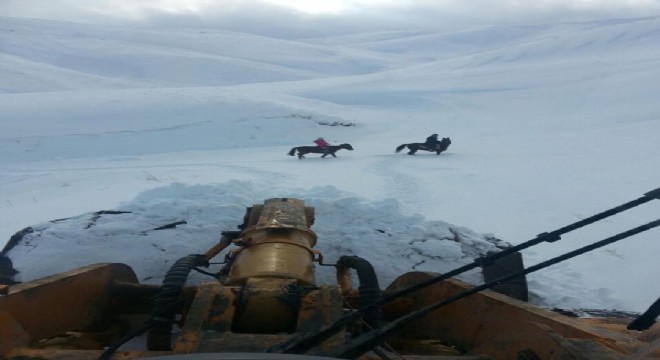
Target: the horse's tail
pixel 400 147
pixel 293 151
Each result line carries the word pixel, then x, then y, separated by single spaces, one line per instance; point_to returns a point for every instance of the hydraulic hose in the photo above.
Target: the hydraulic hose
pixel 167 302
pixel 303 343
pixel 369 290
pixel 368 341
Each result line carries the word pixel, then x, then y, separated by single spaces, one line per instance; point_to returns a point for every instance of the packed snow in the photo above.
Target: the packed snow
pixel 549 124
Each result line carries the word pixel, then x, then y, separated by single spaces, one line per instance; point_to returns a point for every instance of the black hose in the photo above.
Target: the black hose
pixel 368 341
pixel 168 301
pixel 369 290
pixel 304 342
pixel 166 305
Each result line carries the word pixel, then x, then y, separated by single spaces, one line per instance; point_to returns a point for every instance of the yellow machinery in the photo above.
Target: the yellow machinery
pixel 265 300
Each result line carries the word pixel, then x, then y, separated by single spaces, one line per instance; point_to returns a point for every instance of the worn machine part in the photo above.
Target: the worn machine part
pixel 279 243
pixel 267 306
pixel 272 304
pixel 305 342
pixel 269 293
pixel 167 302
pixel 369 290
pixel 365 342
pixel 212 317
pixel 225 241
pixel 494 324
pixel 48 307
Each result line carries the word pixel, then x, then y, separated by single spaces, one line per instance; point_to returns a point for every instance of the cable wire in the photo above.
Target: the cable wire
pixel 368 341
pixel 303 343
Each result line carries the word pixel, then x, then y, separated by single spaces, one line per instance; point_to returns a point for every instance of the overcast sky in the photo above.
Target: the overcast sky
pixel 329 16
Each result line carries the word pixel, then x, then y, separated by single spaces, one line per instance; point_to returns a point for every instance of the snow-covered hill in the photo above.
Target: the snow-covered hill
pixel 549 124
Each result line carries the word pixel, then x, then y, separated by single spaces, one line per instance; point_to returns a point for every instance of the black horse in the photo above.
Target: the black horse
pixel 330 150
pixel 413 147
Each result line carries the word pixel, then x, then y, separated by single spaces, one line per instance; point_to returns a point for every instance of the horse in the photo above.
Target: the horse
pixel 329 150
pixel 414 147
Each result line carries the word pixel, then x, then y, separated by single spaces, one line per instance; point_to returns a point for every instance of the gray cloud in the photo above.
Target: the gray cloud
pixel 266 18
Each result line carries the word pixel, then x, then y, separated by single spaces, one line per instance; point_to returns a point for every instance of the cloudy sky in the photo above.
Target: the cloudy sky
pixel 327 16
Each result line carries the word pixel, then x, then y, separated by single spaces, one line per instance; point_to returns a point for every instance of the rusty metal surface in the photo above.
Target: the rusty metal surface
pixel 223 311
pixel 283 212
pixel 267 306
pixel 272 300
pixel 495 324
pixel 224 242
pixel 49 354
pixel 273 260
pixel 322 307
pixel 317 307
pixel 188 339
pixel 277 242
pixel 12 334
pixel 269 297
pixel 213 322
pixel 262 293
pixel 63 302
pixel 212 312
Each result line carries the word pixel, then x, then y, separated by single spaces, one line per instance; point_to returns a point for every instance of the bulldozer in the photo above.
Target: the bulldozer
pixel 265 303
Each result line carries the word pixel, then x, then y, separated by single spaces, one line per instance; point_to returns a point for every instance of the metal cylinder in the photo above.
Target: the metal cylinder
pixel 276 243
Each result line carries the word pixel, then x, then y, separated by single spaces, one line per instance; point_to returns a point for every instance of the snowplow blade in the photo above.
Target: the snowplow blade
pixel 53 305
pixel 502 327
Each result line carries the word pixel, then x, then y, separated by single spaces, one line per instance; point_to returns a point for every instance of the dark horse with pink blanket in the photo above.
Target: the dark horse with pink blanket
pixel 414 147
pixel 328 150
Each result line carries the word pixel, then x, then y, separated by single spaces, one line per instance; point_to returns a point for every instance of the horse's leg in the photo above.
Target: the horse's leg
pixel 413 150
pixel 333 154
pixel 300 155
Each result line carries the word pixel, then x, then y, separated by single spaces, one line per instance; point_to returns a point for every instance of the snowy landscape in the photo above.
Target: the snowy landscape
pixel 550 123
